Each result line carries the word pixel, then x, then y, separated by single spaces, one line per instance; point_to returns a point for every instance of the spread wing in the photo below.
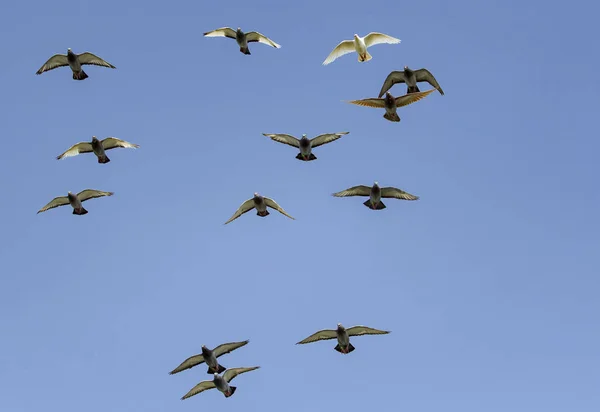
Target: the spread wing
pixel 58 60
pixel 271 203
pixel 390 80
pixel 83 147
pixel 57 201
pixel 374 38
pixel 345 47
pixel 222 32
pixel 324 334
pixel 228 347
pixel 360 190
pixel 201 387
pixel 246 206
pixel 254 36
pixel 377 103
pixel 424 75
pixel 188 364
pixel 113 142
pixel 363 330
pixel 89 58
pixel 411 98
pixel 325 138
pixel 88 194
pixel 392 192
pixel 233 372
pixel 285 139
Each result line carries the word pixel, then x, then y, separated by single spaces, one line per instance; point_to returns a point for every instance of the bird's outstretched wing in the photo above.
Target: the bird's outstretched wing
pixel 390 80
pixel 89 58
pixel 284 138
pixel 363 330
pixel 88 194
pixel 233 372
pixel 254 36
pixel 222 32
pixel 360 190
pixel 424 75
pixel 272 204
pixel 113 142
pixel 412 98
pixel 374 38
pixel 324 334
pixel 245 207
pixel 57 201
pixel 228 347
pixel 376 103
pixel 188 364
pixel 201 387
pixel 58 60
pixel 82 147
pixel 395 193
pixel 345 47
pixel 325 138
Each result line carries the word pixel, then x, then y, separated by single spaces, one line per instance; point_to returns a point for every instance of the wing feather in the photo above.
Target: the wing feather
pixel 57 201
pixel 411 98
pixel 222 32
pixel 376 103
pixel 113 142
pixel 285 139
pixel 364 330
pixel 424 75
pixel 58 60
pixel 272 204
pixel 374 38
pixel 392 79
pixel 82 147
pixel 326 138
pixel 245 207
pixel 188 364
pixel 228 347
pixel 89 58
pixel 201 387
pixel 233 372
pixel 324 334
pixel 395 193
pixel 88 194
pixel 360 190
pixel 254 36
pixel 345 47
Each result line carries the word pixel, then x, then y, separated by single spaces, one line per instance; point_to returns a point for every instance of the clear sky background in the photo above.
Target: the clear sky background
pixel 489 282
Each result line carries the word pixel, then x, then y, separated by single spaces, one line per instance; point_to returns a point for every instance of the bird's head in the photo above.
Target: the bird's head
pixel 239 29
pixel 204 347
pixel 356 36
pixel 376 184
pixel 339 326
pixel 256 194
pixel 69 50
pixel 215 374
pixel 94 138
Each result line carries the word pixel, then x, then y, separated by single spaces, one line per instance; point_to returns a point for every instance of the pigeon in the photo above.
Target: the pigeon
pixel 219 382
pixel 410 77
pixel 210 357
pixel 375 194
pixel 391 103
pixel 97 147
pixel 343 336
pixel 260 203
pixel 360 45
pixel 242 38
pixel 304 144
pixel 74 61
pixel 75 200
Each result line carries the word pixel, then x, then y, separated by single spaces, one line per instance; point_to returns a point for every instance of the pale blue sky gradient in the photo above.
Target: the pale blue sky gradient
pixel 489 283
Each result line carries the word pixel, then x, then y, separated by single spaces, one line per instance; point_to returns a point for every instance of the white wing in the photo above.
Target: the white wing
pixel 360 190
pixel 201 387
pixel 57 201
pixel 89 58
pixel 113 142
pixel 222 32
pixel 58 60
pixel 345 47
pixel 83 147
pixel 246 206
pixel 363 330
pixel 272 204
pixel 284 138
pixel 233 372
pixel 374 38
pixel 324 334
pixel 325 138
pixel 88 194
pixel 254 36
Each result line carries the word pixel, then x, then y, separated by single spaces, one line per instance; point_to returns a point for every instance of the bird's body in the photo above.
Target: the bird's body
pixel 360 45
pixel 391 103
pixel 75 63
pixel 219 382
pixel 260 203
pixel 98 147
pixel 411 78
pixel 375 194
pixel 209 357
pixel 241 38
pixel 343 336
pixel 75 200
pixel 304 144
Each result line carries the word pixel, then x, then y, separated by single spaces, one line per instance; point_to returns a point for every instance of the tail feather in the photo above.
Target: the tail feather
pixel 379 206
pixel 263 214
pixel 80 76
pixel 245 50
pixel 81 211
pixel 103 159
pixel 345 351
pixel 220 370
pixel 231 391
pixel 366 57
pixel 414 89
pixel 299 156
pixel 392 117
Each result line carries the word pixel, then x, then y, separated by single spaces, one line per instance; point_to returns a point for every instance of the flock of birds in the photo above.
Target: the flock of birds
pixel 222 376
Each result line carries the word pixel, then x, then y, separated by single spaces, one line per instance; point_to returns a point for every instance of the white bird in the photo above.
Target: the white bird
pixel 75 200
pixel 241 38
pixel 74 61
pixel 219 382
pixel 360 45
pixel 97 147
pixel 343 336
pixel 260 203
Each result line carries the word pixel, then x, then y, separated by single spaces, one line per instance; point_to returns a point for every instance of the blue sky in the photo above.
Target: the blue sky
pixel 489 282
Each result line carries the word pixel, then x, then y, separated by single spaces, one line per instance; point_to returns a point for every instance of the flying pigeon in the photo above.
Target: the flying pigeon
pixel 410 77
pixel 375 194
pixel 210 357
pixel 242 38
pixel 75 200
pixel 260 203
pixel 343 336
pixel 74 61
pixel 219 382
pixel 360 45
pixel 98 147
pixel 304 144
pixel 391 103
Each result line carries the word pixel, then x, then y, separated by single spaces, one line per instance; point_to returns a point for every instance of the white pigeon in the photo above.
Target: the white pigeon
pixel 360 45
